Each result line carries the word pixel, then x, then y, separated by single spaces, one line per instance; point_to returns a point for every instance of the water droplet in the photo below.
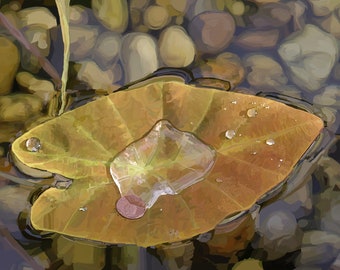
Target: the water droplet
pixel 191 123
pixel 173 233
pixel 225 108
pixel 33 144
pixel 281 160
pixel 219 180
pixel 161 209
pixel 254 153
pixel 266 107
pixel 270 142
pixel 229 134
pixel 234 102
pixel 251 112
pixel 83 209
pixel 253 102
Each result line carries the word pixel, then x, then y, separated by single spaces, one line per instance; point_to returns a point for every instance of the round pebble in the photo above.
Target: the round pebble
pixel 156 17
pixel 212 31
pixel 131 207
pixel 176 47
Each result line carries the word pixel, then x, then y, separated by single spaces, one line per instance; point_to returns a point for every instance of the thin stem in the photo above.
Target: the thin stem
pixel 18 180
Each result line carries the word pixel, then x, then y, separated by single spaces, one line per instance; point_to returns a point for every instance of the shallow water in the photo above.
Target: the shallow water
pixel 256 55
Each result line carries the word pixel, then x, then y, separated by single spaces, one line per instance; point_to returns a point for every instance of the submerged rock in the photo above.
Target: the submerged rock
pixel 112 14
pixel 82 40
pixel 256 40
pixel 106 51
pixel 8 67
pixel 309 56
pixel 156 17
pixel 37 16
pixel 41 88
pixel 19 107
pixel 139 56
pixel 212 31
pixel 264 72
pixel 176 47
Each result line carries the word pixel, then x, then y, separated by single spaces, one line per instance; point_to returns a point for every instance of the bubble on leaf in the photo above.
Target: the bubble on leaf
pixel 229 134
pixel 270 142
pixel 33 144
pixel 251 112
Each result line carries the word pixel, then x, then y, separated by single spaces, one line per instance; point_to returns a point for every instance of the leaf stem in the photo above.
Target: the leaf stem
pixel 18 180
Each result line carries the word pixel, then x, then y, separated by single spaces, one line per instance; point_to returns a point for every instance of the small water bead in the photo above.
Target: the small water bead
pixel 270 142
pixel 229 134
pixel 83 209
pixel 251 112
pixel 234 102
pixel 219 180
pixel 33 144
pixel 254 153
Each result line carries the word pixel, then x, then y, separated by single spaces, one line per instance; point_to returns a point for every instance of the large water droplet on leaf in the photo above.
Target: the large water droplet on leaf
pixel 33 144
pixel 165 161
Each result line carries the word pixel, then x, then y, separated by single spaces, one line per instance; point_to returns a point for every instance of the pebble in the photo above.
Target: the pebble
pixel 329 96
pixel 156 17
pixel 139 56
pixel 323 8
pixel 37 16
pixel 41 88
pixel 212 31
pixel 330 24
pixel 300 201
pixel 106 51
pixel 82 40
pixel 318 248
pixel 176 47
pixel 96 78
pixel 278 229
pixel 9 67
pixel 200 6
pixel 81 15
pixel 258 40
pixel 19 107
pixel 40 37
pixel 271 15
pixel 113 15
pixel 248 264
pixel 309 63
pixel 226 66
pixel 264 72
pixel 298 10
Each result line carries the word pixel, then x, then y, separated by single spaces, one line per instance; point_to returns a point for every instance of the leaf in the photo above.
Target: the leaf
pixel 269 139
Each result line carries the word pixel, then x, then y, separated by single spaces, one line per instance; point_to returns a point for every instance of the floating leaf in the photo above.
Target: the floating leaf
pixel 82 144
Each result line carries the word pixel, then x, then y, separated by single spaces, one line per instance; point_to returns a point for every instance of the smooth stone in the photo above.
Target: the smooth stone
pixel 278 230
pixel 9 67
pixel 330 24
pixel 318 248
pixel 197 7
pixel 41 88
pixel 264 72
pixel 96 78
pixel 80 14
pixel 139 56
pixel 139 4
pixel 113 15
pixel 330 96
pixel 39 37
pixel 226 66
pixel 156 17
pixel 212 31
pixel 37 16
pixel 82 40
pixel 258 40
pixel 248 264
pixel 336 72
pixel 309 63
pixel 300 201
pixel 106 51
pixel 324 7
pixel 271 15
pixel 298 10
pixel 176 47
pixel 19 107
